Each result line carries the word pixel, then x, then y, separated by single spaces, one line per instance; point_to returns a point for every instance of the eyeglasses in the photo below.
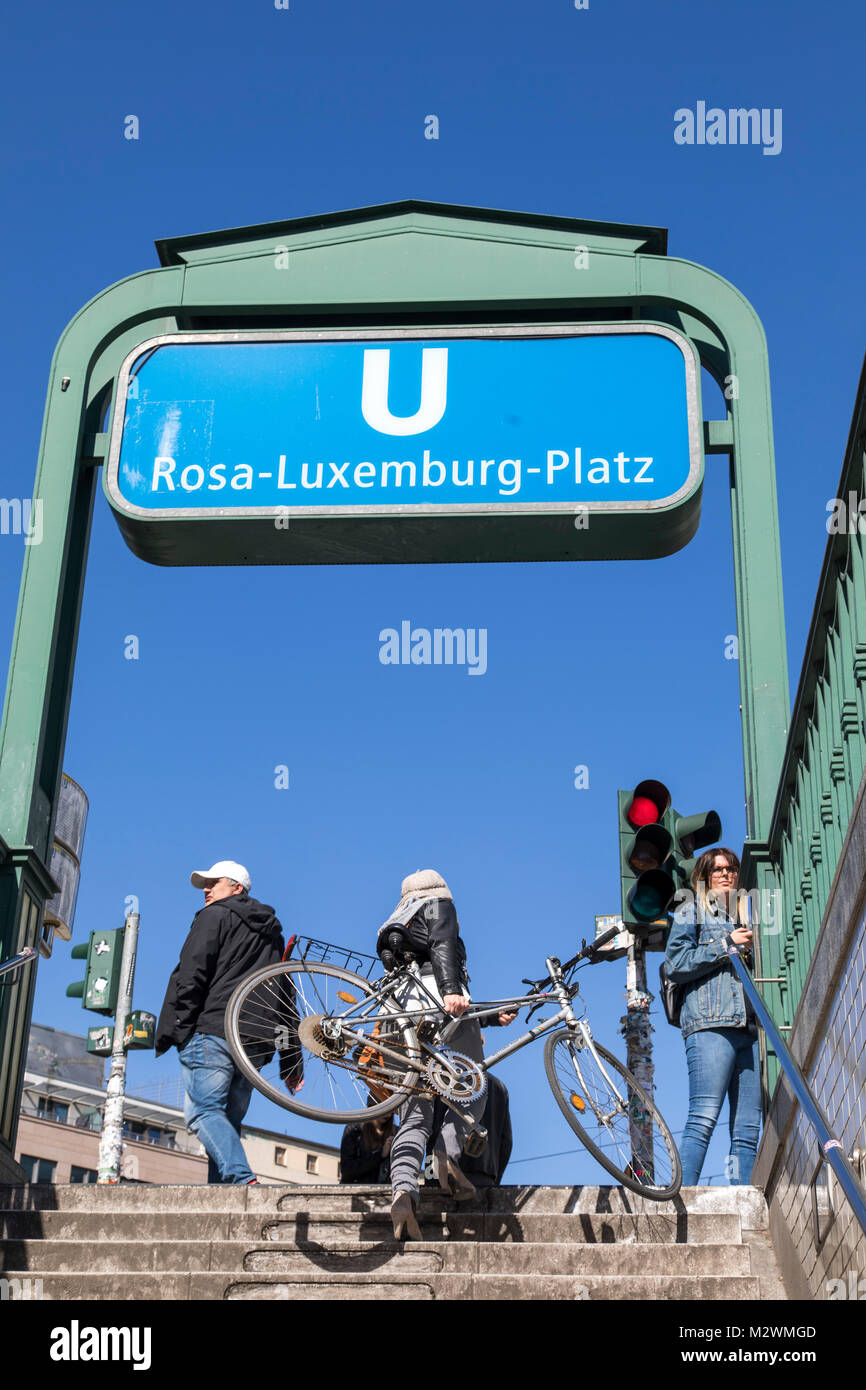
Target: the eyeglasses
pixel 726 870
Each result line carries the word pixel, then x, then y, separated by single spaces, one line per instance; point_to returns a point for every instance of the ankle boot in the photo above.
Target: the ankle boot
pixel 452 1179
pixel 403 1217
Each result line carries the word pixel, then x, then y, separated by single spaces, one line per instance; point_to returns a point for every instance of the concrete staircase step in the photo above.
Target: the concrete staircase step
pixel 37 1258
pixel 527 1260
pixel 330 1227
pixel 280 1243
pixel 107 1225
pixel 745 1202
pixel 227 1285
pixel 338 1228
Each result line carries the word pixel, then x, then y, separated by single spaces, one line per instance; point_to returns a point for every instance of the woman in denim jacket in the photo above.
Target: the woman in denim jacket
pixel 718 1023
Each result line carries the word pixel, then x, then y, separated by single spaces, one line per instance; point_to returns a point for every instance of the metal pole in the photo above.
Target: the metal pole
pixel 831 1147
pixel 111 1138
pixel 637 1030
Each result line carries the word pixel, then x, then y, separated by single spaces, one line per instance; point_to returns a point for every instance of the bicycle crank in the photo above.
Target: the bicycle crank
pixel 456 1077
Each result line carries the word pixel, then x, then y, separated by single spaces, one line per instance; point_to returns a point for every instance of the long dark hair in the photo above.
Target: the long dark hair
pixel 372 1137
pixel 707 900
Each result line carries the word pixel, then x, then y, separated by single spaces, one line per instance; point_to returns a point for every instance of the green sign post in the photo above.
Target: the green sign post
pixel 384 270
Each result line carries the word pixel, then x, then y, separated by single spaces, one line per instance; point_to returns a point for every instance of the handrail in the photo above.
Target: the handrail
pixel 831 1147
pixel 23 958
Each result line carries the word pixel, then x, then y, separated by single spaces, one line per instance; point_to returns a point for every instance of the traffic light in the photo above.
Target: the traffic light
pixel 691 834
pixel 645 842
pixel 99 989
pixel 658 851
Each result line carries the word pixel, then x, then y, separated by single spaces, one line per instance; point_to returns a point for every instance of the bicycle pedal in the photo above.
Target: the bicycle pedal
pixel 476 1143
pixel 426 1030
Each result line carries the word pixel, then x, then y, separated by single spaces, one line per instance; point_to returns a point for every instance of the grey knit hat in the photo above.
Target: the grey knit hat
pixel 424 883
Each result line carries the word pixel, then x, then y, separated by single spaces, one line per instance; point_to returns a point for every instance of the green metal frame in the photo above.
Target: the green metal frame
pixel 397 264
pixel 825 758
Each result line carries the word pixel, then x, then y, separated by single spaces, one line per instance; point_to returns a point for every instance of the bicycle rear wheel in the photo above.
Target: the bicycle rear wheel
pixel 281 1019
pixel 613 1116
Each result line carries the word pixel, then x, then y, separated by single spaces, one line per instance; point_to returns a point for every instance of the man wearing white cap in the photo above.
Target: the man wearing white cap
pixel 231 936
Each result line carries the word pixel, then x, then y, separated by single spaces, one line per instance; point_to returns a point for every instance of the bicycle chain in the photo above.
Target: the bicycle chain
pixel 434 1085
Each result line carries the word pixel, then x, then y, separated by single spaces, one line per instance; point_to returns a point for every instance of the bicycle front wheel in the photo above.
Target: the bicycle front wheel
pixel 613 1116
pixel 280 1023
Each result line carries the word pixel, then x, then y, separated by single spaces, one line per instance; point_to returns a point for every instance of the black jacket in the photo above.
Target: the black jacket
pixel 227 941
pixel 434 936
pixel 360 1163
pixel 488 1168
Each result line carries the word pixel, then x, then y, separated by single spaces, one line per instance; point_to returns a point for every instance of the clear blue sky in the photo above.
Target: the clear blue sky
pixel 250 114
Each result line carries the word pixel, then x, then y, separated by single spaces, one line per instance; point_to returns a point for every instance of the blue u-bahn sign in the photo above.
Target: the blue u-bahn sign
pixel 454 444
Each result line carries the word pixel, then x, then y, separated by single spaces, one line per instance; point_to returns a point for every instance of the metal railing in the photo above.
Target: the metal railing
pixel 832 1150
pixel 23 958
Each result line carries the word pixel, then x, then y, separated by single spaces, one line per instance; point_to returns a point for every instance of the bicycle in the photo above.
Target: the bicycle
pixel 360 1043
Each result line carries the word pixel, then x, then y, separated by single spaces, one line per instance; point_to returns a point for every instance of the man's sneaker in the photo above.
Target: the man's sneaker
pixel 253 1182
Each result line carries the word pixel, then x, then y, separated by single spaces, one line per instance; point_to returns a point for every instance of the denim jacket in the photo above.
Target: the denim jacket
pixel 697 958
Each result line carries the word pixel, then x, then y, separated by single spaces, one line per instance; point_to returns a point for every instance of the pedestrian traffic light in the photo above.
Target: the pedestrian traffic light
pixel 100 987
pixel 100 1040
pixel 139 1031
pixel 646 842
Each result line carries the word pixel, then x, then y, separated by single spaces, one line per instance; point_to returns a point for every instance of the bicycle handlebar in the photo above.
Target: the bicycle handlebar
pixel 583 954
pixel 595 945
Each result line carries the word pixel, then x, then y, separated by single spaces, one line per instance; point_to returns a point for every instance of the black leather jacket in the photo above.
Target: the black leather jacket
pixel 434 936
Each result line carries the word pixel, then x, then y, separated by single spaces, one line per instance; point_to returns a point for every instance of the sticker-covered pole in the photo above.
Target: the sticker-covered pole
pixel 111 1139
pixel 637 1030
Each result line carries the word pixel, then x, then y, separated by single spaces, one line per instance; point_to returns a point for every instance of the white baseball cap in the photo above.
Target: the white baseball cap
pixel 225 868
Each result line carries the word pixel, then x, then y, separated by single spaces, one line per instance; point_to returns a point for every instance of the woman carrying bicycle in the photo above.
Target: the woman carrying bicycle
pixel 426 917
pixel 717 1021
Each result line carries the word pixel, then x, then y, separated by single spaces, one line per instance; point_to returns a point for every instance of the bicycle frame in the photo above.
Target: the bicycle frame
pixel 559 993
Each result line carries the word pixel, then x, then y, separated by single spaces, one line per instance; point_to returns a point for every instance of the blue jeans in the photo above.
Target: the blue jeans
pixel 722 1062
pixel 217 1098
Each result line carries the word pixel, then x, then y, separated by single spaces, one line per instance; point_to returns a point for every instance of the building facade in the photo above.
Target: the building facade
pixel 61 1118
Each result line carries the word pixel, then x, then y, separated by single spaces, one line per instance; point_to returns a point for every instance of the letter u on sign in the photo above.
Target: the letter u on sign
pixel 374 392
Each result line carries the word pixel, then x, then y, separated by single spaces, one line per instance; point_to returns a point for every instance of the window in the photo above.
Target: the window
pixel 312 1163
pixel 37 1169
pixel 280 1156
pixel 47 1108
pixel 77 1174
pixel 140 1132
